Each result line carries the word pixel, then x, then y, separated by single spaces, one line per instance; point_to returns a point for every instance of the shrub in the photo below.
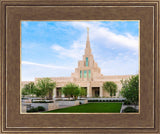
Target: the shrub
pixel 40 108
pixel 130 110
pixel 127 102
pixel 33 110
pixel 37 109
pixel 42 101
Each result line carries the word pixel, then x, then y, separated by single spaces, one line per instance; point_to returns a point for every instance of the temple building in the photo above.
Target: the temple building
pixel 88 75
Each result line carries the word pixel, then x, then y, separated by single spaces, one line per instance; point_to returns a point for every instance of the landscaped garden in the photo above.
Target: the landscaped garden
pixel 44 90
pixel 91 108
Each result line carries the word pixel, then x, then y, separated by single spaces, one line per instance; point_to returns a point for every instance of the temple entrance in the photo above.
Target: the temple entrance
pixel 58 92
pixel 95 91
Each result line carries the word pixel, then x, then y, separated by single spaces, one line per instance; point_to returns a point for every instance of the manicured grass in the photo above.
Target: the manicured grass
pixel 91 108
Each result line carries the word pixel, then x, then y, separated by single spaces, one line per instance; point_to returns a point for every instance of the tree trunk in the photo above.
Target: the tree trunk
pixel 50 94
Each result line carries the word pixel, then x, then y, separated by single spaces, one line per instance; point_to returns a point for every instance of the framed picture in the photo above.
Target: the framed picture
pixel 106 79
pixel 75 66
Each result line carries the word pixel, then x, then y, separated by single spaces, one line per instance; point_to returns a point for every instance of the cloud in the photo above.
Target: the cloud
pixel 121 65
pixel 100 36
pixel 104 39
pixel 103 35
pixel 31 70
pixel 75 51
pixel 115 53
pixel 46 66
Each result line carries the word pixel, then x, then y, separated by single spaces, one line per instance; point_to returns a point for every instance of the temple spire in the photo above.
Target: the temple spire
pixel 88 41
pixel 87 33
pixel 88 48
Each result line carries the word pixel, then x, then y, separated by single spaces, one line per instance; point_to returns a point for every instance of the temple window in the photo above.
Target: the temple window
pixel 85 74
pixel 87 61
pixel 89 72
pixel 80 73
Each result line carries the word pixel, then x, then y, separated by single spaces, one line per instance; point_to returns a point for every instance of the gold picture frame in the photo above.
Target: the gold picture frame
pixel 13 11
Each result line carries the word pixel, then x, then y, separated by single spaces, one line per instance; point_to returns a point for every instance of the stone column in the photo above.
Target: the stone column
pixel 89 91
pixel 87 74
pixel 101 91
pixel 54 93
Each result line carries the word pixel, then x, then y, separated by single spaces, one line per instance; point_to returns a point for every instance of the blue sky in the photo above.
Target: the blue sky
pixel 53 48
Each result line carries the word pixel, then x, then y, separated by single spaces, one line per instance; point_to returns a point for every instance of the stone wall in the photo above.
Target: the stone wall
pixel 47 106
pixel 67 103
pixel 83 101
pixel 52 106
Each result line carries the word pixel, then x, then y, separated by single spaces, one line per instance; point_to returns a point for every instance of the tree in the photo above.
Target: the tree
pixel 45 86
pixel 24 92
pixel 110 87
pixel 130 89
pixel 71 90
pixel 29 89
pixel 83 92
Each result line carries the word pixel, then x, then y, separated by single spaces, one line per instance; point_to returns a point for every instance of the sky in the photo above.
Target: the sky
pixel 53 48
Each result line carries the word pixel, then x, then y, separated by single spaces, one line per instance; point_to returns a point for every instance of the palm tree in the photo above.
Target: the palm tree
pixel 71 90
pixel 45 86
pixel 29 89
pixel 110 87
pixel 83 92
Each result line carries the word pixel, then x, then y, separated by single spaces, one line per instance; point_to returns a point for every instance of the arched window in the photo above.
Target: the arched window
pixel 87 61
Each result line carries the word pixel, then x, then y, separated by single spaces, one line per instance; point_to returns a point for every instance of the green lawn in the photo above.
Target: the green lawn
pixel 91 108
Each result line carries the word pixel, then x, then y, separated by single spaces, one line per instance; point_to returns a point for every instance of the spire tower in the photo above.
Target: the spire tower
pixel 88 48
pixel 87 68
